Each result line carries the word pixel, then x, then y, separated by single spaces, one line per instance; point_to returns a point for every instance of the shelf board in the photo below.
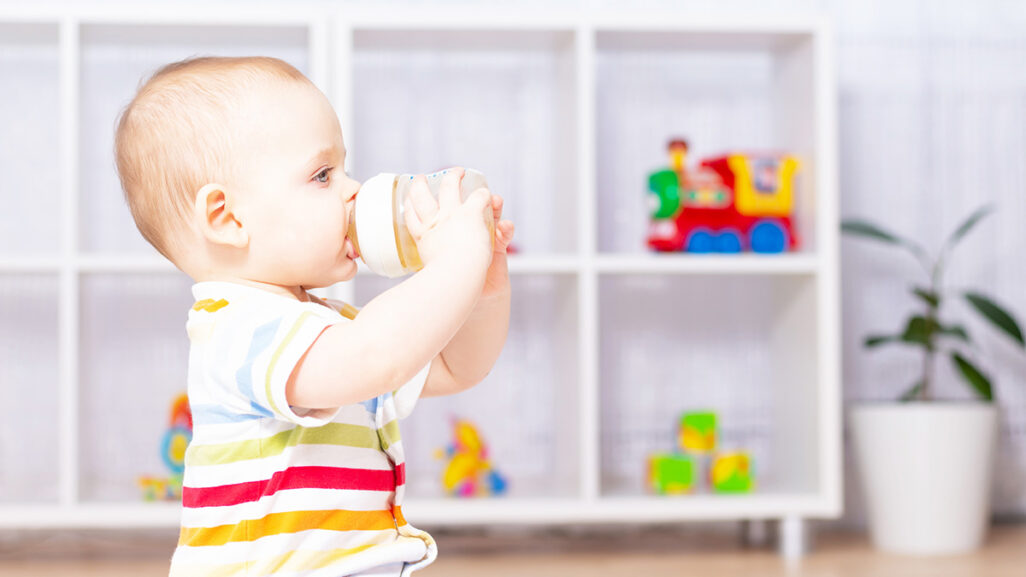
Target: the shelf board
pixel 39 264
pixel 623 263
pixel 653 263
pixel 611 509
pixel 444 511
pixel 521 264
pixel 518 264
pixel 124 263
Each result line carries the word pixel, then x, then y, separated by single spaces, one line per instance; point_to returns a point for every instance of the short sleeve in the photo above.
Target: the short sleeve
pixel 406 395
pixel 273 348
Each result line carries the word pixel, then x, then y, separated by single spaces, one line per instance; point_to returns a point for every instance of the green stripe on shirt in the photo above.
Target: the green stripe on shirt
pixel 343 434
pixel 277 354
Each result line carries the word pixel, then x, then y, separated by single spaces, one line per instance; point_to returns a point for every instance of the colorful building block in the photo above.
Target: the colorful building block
pixel 732 473
pixel 670 473
pixel 697 432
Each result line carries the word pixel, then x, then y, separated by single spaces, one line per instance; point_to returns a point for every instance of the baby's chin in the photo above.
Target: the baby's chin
pixel 342 272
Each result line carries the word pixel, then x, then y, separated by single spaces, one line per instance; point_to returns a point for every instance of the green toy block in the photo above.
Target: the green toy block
pixel 670 473
pixel 697 432
pixel 732 473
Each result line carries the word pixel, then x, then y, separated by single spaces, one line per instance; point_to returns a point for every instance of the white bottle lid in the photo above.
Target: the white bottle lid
pixel 375 225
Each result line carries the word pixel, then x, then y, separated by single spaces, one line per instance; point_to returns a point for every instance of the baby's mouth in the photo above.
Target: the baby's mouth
pixel 351 250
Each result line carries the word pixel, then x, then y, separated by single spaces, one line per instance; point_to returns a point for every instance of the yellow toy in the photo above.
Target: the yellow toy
pixel 469 473
pixel 176 441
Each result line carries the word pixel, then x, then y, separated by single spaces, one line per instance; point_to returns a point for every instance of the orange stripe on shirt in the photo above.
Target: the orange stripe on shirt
pixel 397 512
pixel 288 522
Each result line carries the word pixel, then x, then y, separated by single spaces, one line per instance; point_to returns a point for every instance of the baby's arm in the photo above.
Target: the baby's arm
pixel 399 332
pixel 469 357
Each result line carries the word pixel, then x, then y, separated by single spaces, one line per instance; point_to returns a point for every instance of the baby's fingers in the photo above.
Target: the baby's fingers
pixel 503 234
pixel 497 207
pixel 449 189
pixel 413 222
pixel 480 201
pixel 423 202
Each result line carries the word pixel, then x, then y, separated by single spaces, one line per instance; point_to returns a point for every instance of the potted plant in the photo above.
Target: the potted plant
pixel 926 464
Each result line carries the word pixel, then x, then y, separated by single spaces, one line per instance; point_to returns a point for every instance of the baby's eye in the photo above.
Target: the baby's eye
pixel 323 173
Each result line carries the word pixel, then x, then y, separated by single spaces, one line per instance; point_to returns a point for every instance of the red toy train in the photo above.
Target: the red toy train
pixel 732 203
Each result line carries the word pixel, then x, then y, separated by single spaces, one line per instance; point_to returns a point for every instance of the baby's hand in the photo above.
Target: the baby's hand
pixel 449 226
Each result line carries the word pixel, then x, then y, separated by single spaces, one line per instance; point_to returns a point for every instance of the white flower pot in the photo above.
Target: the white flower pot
pixel 926 473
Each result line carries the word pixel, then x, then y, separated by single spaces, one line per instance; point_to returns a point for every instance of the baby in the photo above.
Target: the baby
pixel 233 170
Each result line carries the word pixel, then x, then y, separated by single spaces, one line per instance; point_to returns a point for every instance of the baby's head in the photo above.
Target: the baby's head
pixel 233 168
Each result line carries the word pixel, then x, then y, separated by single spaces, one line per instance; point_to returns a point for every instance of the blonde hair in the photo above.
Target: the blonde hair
pixel 177 135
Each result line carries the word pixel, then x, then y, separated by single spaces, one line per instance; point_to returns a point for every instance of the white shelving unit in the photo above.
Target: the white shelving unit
pixel 566 113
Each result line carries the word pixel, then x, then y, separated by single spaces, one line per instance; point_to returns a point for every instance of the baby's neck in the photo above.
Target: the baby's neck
pixel 294 292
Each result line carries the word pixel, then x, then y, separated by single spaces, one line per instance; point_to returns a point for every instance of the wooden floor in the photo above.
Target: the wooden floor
pixel 628 553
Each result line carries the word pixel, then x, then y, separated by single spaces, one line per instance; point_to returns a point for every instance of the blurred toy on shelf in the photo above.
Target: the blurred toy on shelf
pixel 729 204
pixel 469 473
pixel 670 473
pixel 732 473
pixel 173 445
pixel 697 464
pixel 697 432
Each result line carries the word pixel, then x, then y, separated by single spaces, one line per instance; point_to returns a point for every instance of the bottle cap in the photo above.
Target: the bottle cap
pixel 375 223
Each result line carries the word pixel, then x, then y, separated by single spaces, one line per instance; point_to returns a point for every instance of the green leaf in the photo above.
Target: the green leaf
pixel 868 230
pixel 928 296
pixel 957 331
pixel 996 315
pixel 920 330
pixel 912 392
pixel 877 340
pixel 973 376
pixel 871 231
pixel 969 223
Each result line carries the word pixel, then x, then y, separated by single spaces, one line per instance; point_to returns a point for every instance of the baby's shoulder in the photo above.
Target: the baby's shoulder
pixel 225 310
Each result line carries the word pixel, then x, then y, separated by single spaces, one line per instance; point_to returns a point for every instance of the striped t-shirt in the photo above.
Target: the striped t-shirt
pixel 272 489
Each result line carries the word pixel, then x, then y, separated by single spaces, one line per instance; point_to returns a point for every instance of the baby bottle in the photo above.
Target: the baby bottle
pixel 377 225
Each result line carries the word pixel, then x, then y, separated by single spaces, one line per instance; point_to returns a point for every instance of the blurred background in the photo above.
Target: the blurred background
pixel 910 115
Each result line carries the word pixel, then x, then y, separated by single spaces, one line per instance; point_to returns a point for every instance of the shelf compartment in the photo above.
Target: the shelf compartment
pixel 430 99
pixel 133 358
pixel 722 90
pixel 29 383
pixel 115 60
pixel 30 152
pixel 744 346
pixel 535 377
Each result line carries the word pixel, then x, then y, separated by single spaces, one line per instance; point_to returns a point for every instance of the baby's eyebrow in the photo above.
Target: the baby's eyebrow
pixel 321 157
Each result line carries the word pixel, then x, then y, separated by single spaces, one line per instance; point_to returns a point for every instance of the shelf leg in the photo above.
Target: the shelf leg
pixel 755 533
pixel 793 538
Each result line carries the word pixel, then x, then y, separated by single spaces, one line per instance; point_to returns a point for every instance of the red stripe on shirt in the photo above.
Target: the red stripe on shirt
pixel 291 478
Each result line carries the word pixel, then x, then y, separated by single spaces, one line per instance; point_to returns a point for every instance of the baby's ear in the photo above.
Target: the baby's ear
pixel 216 219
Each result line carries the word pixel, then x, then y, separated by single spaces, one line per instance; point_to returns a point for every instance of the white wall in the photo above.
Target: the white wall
pixel 932 124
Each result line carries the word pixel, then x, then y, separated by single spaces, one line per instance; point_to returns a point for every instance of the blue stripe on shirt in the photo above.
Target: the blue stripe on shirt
pixel 263 336
pixel 217 414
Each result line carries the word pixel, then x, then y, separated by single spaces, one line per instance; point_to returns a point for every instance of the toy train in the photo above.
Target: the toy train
pixel 731 203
